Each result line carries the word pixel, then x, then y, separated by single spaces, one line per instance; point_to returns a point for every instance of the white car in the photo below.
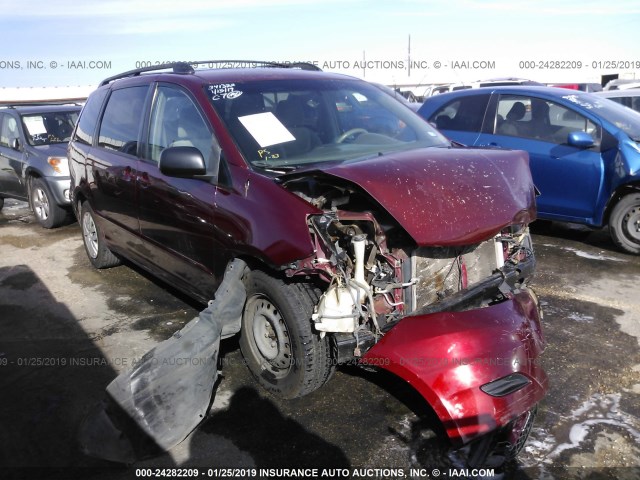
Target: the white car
pixel 629 97
pixel 622 84
pixel 491 82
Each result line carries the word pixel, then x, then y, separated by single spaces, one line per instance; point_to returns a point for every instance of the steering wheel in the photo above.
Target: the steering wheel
pixel 348 133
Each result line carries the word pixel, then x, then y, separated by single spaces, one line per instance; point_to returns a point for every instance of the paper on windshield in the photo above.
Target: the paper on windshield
pixel 35 125
pixel 266 129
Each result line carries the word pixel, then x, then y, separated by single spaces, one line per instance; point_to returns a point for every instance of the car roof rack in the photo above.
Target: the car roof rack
pixel 40 103
pixel 187 67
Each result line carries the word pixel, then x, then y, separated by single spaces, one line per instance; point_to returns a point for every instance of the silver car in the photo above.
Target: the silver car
pixel 629 97
pixel 33 163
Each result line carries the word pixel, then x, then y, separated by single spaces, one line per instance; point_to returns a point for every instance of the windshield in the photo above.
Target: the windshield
pixel 288 123
pixel 622 117
pixel 49 127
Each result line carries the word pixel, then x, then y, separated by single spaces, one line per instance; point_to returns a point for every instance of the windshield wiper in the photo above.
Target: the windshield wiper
pixel 275 168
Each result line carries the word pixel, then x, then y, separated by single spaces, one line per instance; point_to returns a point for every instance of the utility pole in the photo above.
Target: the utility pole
pixel 364 68
pixel 409 57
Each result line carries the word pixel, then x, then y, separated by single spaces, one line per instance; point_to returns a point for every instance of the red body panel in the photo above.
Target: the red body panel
pixel 448 196
pixel 447 356
pixel 262 220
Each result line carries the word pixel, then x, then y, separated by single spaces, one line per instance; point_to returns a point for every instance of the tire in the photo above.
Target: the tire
pixel 93 238
pixel 1 202
pixel 277 340
pixel 624 223
pixel 48 213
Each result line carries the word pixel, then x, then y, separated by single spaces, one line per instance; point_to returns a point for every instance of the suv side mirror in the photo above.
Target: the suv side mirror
pixel 580 140
pixel 14 143
pixel 182 162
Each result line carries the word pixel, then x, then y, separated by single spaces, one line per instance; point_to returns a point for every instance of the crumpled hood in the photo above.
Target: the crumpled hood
pixel 448 196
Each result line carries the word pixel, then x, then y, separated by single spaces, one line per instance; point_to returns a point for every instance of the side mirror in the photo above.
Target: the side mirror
pixel 580 140
pixel 15 144
pixel 182 162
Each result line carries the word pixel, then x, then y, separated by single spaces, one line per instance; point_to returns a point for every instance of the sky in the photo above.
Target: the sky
pixel 66 42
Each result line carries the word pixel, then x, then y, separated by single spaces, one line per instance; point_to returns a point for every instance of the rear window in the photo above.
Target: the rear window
pixel 89 117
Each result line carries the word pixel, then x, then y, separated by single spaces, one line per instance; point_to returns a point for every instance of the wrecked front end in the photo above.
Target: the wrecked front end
pixel 426 263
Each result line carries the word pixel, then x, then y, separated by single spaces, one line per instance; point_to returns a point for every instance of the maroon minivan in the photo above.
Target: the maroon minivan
pixel 369 237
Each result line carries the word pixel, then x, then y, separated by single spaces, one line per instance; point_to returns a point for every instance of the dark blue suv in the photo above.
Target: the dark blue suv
pixel 33 162
pixel 584 150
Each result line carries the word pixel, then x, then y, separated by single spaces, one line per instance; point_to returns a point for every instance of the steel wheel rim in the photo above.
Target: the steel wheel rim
pixel 90 234
pixel 270 335
pixel 631 223
pixel 40 203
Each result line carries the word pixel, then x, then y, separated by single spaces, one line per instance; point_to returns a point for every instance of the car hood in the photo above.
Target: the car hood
pixel 446 196
pixel 53 150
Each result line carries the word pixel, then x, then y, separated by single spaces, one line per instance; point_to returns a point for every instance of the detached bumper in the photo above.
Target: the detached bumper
pixel 448 356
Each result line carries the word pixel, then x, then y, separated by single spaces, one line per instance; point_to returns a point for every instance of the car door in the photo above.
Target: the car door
pixel 461 118
pixel 569 178
pixel 176 214
pixel 112 164
pixel 11 161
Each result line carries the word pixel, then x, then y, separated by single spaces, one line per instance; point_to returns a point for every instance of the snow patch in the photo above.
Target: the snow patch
pixel 583 254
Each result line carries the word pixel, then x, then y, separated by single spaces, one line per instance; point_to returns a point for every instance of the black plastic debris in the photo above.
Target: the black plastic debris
pixel 167 394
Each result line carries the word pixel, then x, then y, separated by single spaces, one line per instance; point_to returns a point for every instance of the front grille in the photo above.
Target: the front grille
pixel 442 271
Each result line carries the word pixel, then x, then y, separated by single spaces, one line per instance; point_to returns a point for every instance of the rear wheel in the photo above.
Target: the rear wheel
pixel 94 243
pixel 48 213
pixel 278 342
pixel 624 223
pixel 1 203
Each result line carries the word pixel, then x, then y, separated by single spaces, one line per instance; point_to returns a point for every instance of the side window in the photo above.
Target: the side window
pixel 176 121
pixel 539 119
pixel 464 114
pixel 89 117
pixel 629 102
pixel 122 120
pixel 8 130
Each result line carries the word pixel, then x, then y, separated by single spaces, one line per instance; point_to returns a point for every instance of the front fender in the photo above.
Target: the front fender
pixel 448 356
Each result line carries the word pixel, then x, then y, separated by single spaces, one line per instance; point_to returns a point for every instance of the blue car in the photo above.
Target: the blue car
pixel 584 150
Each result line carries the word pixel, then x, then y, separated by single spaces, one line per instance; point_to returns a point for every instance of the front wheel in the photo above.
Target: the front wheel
pixel 278 343
pixel 624 223
pixel 48 213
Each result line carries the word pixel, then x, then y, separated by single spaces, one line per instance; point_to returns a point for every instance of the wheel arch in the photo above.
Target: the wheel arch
pixel 30 174
pixel 255 261
pixel 78 199
pixel 617 195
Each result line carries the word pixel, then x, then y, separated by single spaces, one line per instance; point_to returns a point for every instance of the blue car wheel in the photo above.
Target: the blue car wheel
pixel 624 223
